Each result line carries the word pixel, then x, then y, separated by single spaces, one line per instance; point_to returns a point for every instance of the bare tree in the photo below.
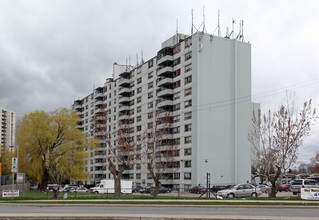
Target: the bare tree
pixel 313 165
pixel 159 149
pixel 121 147
pixel 276 137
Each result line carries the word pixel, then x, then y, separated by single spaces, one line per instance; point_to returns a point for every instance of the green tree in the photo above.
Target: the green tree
pixel 51 148
pixel 6 159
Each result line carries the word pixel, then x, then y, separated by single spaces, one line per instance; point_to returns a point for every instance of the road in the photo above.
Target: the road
pixel 144 210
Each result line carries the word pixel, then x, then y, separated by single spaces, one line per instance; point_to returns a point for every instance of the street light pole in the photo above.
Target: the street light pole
pixel 12 180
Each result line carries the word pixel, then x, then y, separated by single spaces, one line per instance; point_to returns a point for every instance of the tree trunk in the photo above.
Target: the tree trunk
pixel 45 179
pixel 117 186
pixel 156 189
pixel 55 192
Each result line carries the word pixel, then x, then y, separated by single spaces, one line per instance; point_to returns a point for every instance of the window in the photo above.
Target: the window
pixel 138 176
pixel 188 127
pixel 132 102
pixel 188 42
pixel 188 92
pixel 150 63
pixel 176 176
pixel 188 103
pixel 139 128
pixel 149 176
pixel 188 163
pixel 150 85
pixel 177 107
pixel 188 55
pixel 138 99
pixel 139 80
pixel 150 115
pixel 138 137
pixel 187 115
pixel 187 80
pixel 138 118
pixel 177 95
pixel 176 118
pixel 139 109
pixel 138 166
pixel 150 95
pixel 177 84
pixel 177 49
pixel 150 105
pixel 177 61
pixel 150 125
pixel 188 140
pixel 188 68
pixel 150 75
pixel 177 73
pixel 139 90
pixel 176 130
pixel 187 151
pixel 187 176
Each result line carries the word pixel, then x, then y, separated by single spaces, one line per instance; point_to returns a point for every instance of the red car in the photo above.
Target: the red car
pixel 284 187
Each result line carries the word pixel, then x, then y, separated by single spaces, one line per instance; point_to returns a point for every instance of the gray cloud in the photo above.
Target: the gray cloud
pixel 53 51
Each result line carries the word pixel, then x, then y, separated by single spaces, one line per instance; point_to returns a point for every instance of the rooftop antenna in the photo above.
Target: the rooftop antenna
pixel 227 36
pixel 239 35
pixel 218 24
pixel 129 61
pixel 232 31
pixel 136 59
pixel 192 22
pixel 242 30
pixel 142 56
pixel 177 40
pixel 204 19
pixel 126 67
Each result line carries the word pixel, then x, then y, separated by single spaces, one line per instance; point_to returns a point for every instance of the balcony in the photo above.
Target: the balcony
pixel 124 81
pixel 124 99
pixel 164 81
pixel 99 103
pixel 165 114
pixel 124 117
pixel 77 106
pixel 166 69
pixel 164 59
pixel 124 90
pixel 164 103
pixel 164 92
pixel 124 108
pixel 98 95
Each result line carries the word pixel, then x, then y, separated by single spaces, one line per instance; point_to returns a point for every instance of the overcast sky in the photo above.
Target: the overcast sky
pixel 54 51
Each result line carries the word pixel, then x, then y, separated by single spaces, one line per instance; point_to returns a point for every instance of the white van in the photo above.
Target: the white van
pixel 296 185
pixel 107 187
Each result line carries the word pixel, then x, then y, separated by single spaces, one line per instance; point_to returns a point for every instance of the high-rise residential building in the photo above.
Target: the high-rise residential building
pixel 7 132
pixel 204 83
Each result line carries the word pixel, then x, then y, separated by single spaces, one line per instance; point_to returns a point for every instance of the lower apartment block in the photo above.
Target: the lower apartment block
pixel 203 82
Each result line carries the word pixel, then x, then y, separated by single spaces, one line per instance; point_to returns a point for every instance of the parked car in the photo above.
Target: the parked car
pixel 240 190
pixel 69 188
pixel 217 188
pixel 263 187
pixel 50 187
pixel 197 189
pixel 80 189
pixel 284 187
pixel 296 185
pixel 136 188
pixel 146 190
pixel 163 189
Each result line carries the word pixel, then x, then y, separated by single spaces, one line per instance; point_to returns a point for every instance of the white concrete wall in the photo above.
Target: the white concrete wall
pixel 221 75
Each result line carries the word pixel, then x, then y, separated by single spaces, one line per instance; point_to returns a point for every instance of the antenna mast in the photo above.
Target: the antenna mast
pixel 136 59
pixel 218 24
pixel 142 56
pixel 232 31
pixel 192 22
pixel 204 28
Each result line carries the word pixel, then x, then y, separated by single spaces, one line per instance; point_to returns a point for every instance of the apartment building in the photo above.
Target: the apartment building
pixel 204 83
pixel 7 132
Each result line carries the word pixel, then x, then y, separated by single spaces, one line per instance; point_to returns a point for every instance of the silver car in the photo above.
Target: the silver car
pixel 240 190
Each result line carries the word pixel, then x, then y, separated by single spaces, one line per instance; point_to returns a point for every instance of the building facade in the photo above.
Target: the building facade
pixel 204 83
pixel 7 132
